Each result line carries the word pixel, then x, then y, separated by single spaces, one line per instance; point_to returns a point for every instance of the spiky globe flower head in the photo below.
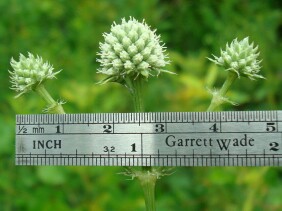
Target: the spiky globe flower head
pixel 131 49
pixel 29 72
pixel 241 58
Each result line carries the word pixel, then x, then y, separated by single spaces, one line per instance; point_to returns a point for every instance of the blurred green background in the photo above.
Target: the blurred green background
pixel 67 33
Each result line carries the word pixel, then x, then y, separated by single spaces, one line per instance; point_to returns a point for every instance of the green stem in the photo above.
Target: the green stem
pixel 147 178
pixel 148 183
pixel 54 106
pixel 136 90
pixel 216 100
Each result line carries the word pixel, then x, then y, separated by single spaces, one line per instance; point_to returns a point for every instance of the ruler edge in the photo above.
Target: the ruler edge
pixel 147 117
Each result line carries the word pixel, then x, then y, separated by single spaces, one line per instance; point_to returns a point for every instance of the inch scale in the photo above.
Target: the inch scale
pixel 232 138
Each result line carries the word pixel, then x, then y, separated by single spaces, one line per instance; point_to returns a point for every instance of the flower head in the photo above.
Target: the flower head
pixel 29 72
pixel 131 48
pixel 241 58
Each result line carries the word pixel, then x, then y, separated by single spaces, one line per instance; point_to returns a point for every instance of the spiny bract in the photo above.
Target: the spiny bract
pixel 241 58
pixel 131 49
pixel 29 72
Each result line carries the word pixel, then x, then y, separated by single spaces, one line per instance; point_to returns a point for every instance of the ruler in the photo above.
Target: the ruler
pixel 232 138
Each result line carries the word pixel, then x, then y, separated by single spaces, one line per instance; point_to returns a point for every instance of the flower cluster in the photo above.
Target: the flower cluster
pixel 29 72
pixel 131 48
pixel 241 58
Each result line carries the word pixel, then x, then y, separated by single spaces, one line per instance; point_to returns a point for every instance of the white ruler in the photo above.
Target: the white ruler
pixel 235 138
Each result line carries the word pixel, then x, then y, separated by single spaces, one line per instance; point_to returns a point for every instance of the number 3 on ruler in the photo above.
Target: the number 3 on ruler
pixel 159 128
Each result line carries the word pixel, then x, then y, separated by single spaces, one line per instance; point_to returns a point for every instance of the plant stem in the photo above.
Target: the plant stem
pixel 136 90
pixel 53 106
pixel 148 182
pixel 146 177
pixel 217 99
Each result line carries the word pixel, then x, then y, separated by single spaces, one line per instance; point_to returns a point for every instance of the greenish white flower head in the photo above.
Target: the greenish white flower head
pixel 29 72
pixel 241 58
pixel 131 48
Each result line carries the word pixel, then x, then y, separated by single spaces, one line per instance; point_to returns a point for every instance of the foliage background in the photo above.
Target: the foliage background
pixel 67 33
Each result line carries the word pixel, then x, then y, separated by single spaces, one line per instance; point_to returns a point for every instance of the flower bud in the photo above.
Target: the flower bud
pixel 240 57
pixel 29 72
pixel 134 50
